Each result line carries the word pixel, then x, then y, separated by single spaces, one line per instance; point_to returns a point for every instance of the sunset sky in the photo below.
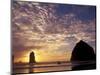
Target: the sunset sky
pixel 50 30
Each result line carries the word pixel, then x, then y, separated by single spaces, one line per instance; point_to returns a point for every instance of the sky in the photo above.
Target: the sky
pixel 50 30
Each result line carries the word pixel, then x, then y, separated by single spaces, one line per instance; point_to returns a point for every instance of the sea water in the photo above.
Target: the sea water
pixel 42 67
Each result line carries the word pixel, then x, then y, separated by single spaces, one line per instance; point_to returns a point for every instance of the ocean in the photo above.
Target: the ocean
pixel 25 68
pixel 41 67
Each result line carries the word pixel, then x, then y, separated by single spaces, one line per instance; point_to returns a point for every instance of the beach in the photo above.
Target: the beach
pixel 25 68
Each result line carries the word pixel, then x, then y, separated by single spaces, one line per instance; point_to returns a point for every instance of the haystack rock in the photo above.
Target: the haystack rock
pixel 83 52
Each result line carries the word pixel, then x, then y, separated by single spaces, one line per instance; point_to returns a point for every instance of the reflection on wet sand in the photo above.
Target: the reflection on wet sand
pixel 31 69
pixel 41 67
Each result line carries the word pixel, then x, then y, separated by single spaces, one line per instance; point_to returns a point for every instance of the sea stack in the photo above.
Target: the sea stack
pixel 83 52
pixel 32 58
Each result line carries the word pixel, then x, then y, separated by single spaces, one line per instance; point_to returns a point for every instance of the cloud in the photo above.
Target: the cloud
pixel 39 26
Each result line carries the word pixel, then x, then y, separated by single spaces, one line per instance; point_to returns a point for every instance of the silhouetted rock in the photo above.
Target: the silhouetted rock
pixel 32 58
pixel 83 52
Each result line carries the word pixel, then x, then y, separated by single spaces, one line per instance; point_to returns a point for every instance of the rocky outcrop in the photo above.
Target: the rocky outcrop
pixel 32 58
pixel 83 52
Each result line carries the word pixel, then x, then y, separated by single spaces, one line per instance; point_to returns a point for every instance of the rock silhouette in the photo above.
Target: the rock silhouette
pixel 83 52
pixel 31 62
pixel 32 58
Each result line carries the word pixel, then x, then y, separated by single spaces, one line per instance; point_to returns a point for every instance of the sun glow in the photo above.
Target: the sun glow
pixel 50 56
pixel 45 56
